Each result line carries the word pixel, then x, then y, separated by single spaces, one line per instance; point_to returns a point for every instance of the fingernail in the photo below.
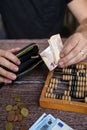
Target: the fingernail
pixel 61 64
pixel 16 69
pixel 13 77
pixel 62 55
pixel 18 62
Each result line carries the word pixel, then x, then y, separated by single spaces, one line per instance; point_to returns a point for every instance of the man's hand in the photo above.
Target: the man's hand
pixel 74 50
pixel 10 61
pixel 75 47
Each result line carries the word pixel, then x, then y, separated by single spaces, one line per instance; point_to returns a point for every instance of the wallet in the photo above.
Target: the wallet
pixel 29 57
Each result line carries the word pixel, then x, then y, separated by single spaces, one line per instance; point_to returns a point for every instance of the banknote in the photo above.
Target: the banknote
pixel 49 122
pixel 38 121
pixel 60 125
pixel 43 122
pixel 51 54
pixel 56 46
pixel 48 58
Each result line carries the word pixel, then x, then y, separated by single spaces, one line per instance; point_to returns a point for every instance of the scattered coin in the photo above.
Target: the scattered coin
pixel 9 107
pixel 17 98
pixel 11 116
pixel 17 113
pixel 24 112
pixel 9 126
pixel 20 117
pixel 21 105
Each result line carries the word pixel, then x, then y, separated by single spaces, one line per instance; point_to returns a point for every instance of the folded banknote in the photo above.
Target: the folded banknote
pixel 51 54
pixel 48 122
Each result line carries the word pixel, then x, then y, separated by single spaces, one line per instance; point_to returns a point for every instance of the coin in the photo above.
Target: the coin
pixel 21 105
pixel 16 118
pixel 20 117
pixel 9 126
pixel 17 98
pixel 9 107
pixel 17 113
pixel 11 116
pixel 24 112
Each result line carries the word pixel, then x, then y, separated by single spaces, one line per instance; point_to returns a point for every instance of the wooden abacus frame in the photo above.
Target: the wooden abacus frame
pixel 72 106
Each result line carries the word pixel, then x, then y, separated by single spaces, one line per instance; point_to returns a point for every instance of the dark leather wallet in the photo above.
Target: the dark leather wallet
pixel 29 57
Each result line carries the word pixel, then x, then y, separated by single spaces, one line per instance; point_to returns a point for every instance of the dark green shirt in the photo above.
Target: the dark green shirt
pixel 32 18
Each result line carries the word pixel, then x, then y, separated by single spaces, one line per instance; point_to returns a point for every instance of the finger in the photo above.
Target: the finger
pixel 4 80
pixel 5 63
pixel 71 43
pixel 73 57
pixel 14 49
pixel 6 74
pixel 73 52
pixel 9 56
pixel 74 60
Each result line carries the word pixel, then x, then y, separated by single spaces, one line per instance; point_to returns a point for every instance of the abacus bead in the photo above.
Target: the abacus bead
pixel 70 82
pixel 48 89
pixel 76 95
pixel 65 92
pixel 66 97
pixel 69 98
pixel 53 80
pixel 63 98
pixel 55 86
pixel 80 94
pixel 86 99
pixel 69 88
pixel 46 95
pixel 56 81
pixel 51 90
pixel 50 85
pixel 49 95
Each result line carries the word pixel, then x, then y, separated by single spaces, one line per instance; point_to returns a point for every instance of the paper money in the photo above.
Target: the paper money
pixel 43 123
pixel 48 122
pixel 48 58
pixel 51 54
pixel 56 46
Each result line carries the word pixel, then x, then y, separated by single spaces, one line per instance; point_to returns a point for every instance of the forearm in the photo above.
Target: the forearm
pixel 82 28
pixel 78 9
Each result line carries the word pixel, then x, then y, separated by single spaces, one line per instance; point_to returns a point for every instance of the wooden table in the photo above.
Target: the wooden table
pixel 29 89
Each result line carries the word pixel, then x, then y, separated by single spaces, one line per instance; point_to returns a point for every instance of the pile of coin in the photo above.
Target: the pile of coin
pixel 16 113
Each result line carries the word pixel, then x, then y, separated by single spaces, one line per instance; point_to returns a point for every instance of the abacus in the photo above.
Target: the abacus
pixel 66 89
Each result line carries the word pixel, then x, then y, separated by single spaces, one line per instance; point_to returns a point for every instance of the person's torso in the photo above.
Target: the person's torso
pixel 32 18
